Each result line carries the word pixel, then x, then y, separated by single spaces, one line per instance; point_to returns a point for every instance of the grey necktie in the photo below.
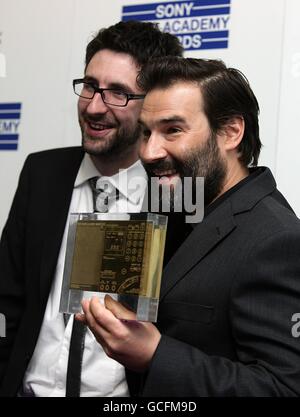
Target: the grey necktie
pixel 104 193
pixel 102 190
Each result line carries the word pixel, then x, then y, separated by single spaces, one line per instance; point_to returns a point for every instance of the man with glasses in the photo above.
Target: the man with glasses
pixel 34 354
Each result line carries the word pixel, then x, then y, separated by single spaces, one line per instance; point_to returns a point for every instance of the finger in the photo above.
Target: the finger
pixel 94 322
pixel 85 305
pixel 118 310
pixel 102 315
pixel 81 317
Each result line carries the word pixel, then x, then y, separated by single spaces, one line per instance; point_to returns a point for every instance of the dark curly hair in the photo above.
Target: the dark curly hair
pixel 142 40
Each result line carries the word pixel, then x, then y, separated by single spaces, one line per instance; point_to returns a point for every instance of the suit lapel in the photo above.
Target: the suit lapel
pixel 203 238
pixel 59 194
pixel 216 227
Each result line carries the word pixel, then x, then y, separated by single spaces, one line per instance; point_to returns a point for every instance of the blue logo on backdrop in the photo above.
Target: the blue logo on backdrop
pixel 199 24
pixel 10 114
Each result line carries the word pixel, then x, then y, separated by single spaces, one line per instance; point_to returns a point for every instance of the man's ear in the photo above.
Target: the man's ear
pixel 233 133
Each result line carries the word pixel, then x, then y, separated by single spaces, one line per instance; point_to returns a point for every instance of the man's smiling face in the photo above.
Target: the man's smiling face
pixel 177 141
pixel 107 129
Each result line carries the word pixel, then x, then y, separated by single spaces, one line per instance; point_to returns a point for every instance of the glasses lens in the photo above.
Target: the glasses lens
pixel 84 90
pixel 114 97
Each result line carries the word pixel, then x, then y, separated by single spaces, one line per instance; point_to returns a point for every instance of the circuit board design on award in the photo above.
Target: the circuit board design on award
pixel 111 256
pixel 117 253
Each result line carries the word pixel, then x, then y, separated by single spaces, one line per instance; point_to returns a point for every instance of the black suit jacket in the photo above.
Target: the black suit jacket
pixel 227 299
pixel 29 249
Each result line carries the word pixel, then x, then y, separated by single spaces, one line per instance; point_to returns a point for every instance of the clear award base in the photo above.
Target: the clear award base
pixel 116 254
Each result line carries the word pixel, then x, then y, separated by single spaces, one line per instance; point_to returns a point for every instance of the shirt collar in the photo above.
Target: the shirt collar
pixel 86 171
pixel 253 173
pixel 134 176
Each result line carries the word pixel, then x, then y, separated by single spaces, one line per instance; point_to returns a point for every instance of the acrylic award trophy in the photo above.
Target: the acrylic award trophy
pixel 118 254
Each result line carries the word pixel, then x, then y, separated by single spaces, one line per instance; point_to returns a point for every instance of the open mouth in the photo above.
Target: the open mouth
pixel 166 173
pixel 167 176
pixel 97 129
pixel 98 126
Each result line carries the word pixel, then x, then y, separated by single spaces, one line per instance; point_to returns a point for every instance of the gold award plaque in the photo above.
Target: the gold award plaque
pixel 112 256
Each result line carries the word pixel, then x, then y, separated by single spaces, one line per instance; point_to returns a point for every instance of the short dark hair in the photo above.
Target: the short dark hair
pixel 226 93
pixel 142 40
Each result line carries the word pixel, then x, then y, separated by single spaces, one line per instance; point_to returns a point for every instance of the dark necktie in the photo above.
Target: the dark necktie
pixel 73 382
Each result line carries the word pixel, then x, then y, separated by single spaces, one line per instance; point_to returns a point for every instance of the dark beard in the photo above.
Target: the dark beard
pixel 204 161
pixel 123 139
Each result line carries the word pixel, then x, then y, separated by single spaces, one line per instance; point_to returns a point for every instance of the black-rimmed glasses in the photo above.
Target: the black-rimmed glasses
pixel 109 96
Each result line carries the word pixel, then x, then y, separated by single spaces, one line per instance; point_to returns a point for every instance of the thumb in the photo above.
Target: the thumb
pixel 118 309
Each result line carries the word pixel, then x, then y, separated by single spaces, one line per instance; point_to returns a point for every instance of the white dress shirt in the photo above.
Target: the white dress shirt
pixel 47 370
